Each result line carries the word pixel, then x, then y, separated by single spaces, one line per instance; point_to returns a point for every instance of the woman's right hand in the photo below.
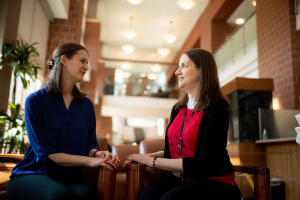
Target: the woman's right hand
pixel 98 161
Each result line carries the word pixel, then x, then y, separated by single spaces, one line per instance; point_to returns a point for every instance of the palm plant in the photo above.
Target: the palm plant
pixel 22 59
pixel 14 135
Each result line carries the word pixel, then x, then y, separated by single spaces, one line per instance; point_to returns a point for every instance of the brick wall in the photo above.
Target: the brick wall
pixel 91 42
pixel 218 34
pixel 65 30
pixel 206 32
pixel 278 45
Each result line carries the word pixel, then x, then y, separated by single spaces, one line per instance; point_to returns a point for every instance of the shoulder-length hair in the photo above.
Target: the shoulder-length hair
pixel 209 85
pixel 54 80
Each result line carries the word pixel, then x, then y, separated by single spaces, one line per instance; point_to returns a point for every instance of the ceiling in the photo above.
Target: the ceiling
pixel 150 21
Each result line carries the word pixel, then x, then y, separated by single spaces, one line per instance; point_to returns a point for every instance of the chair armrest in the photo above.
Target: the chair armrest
pixel 106 184
pixel 261 178
pixel 7 159
pixel 134 180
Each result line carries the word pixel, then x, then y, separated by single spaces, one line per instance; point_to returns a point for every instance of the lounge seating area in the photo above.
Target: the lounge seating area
pixel 127 183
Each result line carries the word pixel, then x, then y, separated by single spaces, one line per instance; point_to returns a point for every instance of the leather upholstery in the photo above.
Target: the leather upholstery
pixel 151 146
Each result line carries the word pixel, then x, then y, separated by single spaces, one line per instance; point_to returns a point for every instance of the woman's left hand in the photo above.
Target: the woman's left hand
pixel 109 157
pixel 140 158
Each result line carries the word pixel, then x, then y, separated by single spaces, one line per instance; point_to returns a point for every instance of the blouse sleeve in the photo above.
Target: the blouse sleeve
pixel 34 122
pixel 92 140
pixel 211 153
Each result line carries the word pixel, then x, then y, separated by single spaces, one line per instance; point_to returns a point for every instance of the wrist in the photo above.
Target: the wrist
pixel 154 163
pixel 87 161
pixel 95 153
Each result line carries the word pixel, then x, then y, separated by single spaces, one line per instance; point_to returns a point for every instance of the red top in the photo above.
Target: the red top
pixel 190 137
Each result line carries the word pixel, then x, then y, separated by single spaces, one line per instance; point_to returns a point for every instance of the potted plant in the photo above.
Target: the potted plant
pixel 22 59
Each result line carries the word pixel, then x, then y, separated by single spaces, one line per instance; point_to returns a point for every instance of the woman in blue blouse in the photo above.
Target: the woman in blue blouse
pixel 61 125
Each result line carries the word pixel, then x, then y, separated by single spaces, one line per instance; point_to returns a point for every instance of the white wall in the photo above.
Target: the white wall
pixel 34 27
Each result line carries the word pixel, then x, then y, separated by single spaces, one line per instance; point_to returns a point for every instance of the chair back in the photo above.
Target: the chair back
pixel 151 146
pixel 122 151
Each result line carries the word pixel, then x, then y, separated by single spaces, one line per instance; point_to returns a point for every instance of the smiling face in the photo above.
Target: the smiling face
pixel 75 68
pixel 188 74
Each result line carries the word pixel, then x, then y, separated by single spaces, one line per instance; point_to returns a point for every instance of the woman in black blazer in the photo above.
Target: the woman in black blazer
pixel 196 138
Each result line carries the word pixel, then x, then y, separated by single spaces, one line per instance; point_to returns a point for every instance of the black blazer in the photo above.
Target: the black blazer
pixel 211 157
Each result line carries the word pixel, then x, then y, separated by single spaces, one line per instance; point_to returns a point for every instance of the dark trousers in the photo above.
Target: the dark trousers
pixel 172 188
pixel 40 187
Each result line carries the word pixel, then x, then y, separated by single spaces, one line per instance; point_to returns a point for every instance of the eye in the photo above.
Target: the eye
pixel 82 61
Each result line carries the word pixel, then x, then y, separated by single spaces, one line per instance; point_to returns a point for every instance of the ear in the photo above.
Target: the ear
pixel 63 59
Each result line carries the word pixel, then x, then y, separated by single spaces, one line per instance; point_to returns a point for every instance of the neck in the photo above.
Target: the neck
pixel 192 98
pixel 66 86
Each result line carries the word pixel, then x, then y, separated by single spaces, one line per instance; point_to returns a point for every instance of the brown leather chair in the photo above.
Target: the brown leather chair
pixel 138 176
pixel 101 178
pixel 122 151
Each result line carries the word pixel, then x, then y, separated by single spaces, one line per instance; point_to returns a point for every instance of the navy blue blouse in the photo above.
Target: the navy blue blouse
pixel 51 128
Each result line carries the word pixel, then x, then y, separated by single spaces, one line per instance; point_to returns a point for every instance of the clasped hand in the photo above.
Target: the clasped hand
pixel 139 158
pixel 105 159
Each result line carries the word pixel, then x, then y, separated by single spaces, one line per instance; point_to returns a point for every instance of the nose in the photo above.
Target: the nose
pixel 86 67
pixel 178 71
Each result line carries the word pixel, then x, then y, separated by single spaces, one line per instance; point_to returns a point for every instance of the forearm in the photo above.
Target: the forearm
pixel 174 165
pixel 63 159
pixel 160 154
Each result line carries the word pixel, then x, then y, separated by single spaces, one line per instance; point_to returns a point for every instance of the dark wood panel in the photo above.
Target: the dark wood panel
pixel 240 83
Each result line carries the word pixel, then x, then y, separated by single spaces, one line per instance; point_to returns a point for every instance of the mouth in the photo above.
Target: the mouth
pixel 180 79
pixel 83 73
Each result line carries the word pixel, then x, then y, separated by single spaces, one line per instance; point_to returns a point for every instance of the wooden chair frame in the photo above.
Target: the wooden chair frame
pixel 261 177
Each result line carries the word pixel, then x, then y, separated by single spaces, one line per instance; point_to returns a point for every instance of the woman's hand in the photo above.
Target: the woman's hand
pixel 109 158
pixel 97 162
pixel 140 158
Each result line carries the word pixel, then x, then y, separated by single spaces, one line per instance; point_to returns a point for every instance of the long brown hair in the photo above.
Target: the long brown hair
pixel 54 80
pixel 209 85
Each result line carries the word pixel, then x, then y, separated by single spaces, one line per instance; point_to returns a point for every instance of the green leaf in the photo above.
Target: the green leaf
pixel 24 82
pixel 11 132
pixel 20 122
pixel 12 105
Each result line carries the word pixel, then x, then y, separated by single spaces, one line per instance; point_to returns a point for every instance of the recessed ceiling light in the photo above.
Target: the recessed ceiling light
pixel 152 76
pixel 164 51
pixel 240 21
pixel 130 34
pixel 126 74
pixel 254 3
pixel 128 48
pixel 135 1
pixel 186 4
pixel 142 75
pixel 125 66
pixel 170 38
pixel 156 68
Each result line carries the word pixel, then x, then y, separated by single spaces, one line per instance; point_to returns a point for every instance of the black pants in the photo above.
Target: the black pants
pixel 40 187
pixel 172 188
